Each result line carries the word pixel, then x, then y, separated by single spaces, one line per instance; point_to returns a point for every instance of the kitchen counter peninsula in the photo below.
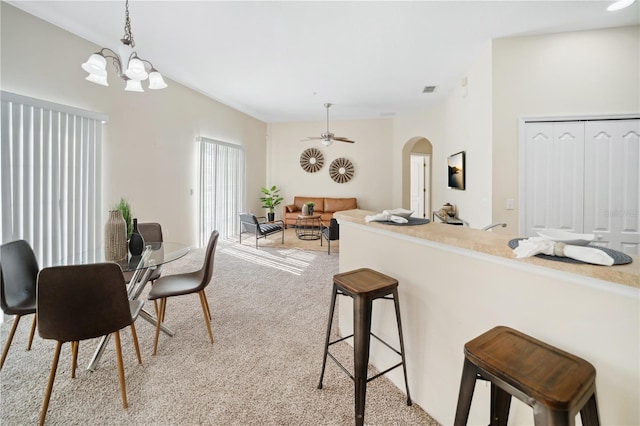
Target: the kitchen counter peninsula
pixel 455 283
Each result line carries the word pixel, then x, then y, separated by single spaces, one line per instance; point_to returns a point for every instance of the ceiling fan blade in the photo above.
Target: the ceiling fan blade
pixel 343 139
pixel 310 138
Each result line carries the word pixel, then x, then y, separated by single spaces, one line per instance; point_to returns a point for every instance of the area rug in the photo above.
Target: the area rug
pixel 290 241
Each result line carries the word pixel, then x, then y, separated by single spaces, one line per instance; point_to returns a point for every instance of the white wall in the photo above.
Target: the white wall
pixel 370 155
pixel 461 123
pixel 568 74
pixel 149 146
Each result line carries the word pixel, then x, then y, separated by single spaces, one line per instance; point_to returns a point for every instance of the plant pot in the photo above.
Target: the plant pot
pixel 271 217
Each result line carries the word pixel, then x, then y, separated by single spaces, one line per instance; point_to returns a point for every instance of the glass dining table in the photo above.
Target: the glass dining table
pixel 154 255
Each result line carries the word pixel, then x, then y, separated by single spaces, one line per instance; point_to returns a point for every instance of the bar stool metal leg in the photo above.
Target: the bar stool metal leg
pixel 467 386
pixel 362 338
pixel 500 405
pixel 326 342
pixel 589 414
pixel 404 363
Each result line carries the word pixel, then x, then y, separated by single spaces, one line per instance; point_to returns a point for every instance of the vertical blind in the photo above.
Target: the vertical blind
pixel 222 187
pixel 50 177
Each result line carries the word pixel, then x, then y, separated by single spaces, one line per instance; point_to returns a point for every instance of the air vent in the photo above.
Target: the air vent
pixel 429 89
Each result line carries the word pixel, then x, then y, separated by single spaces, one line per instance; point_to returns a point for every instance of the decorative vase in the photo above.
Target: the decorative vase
pixel 115 237
pixel 136 242
pixel 305 210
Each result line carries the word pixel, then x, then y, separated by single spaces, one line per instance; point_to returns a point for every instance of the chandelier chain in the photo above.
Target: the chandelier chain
pixel 128 35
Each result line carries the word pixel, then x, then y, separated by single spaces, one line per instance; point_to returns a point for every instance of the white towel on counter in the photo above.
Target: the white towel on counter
pixel 385 217
pixel 535 245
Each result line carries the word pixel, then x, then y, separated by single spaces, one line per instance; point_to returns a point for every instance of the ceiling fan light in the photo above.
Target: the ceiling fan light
pixel 326 142
pixel 134 86
pixel 96 65
pixel 136 70
pixel 620 4
pixel 156 81
pixel 98 79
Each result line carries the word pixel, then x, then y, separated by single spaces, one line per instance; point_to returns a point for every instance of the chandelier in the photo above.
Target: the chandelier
pixel 131 68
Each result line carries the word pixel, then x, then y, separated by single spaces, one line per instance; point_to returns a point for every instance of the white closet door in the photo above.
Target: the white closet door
pixel 554 166
pixel 612 183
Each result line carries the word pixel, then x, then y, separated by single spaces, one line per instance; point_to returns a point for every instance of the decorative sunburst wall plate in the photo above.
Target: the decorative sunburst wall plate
pixel 341 170
pixel 311 160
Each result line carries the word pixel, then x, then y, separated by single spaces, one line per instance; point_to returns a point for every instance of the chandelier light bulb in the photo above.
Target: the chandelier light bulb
pixel 156 81
pixel 136 70
pixel 96 65
pixel 98 79
pixel 134 86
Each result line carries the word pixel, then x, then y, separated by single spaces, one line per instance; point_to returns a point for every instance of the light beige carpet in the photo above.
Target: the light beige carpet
pixel 290 241
pixel 269 310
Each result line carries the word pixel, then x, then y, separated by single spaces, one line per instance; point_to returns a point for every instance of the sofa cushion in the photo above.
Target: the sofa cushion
pixel 339 204
pixel 301 201
pixel 292 208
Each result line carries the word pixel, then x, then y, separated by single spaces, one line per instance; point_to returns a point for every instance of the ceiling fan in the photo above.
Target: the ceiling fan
pixel 327 137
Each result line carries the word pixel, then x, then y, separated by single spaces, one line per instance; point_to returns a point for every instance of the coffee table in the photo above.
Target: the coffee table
pixel 308 227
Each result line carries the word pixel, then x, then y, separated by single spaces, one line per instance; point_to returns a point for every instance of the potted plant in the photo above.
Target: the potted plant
pixel 270 200
pixel 124 207
pixel 310 206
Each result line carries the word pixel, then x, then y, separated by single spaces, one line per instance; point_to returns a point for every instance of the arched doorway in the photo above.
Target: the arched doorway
pixel 416 176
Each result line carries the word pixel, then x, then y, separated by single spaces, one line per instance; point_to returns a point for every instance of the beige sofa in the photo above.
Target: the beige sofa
pixel 324 206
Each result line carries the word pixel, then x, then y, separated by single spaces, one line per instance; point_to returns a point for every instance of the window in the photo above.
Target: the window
pixel 222 176
pixel 50 177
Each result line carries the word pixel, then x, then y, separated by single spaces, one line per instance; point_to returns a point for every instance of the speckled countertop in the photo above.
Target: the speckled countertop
pixel 496 244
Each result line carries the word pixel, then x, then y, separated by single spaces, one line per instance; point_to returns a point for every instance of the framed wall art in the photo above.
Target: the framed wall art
pixel 456 171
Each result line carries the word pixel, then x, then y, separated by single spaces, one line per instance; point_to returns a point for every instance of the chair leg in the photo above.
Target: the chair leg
pixel 500 404
pixel 33 331
pixel 467 386
pixel 203 302
pixel 159 319
pixel 332 307
pixel 208 308
pixel 589 413
pixel 16 320
pixel 283 235
pixel 134 336
pixel 123 387
pixel 74 357
pixel 52 378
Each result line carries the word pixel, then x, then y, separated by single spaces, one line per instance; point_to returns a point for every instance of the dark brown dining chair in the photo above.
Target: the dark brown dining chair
pixel 187 283
pixel 82 302
pixel 18 276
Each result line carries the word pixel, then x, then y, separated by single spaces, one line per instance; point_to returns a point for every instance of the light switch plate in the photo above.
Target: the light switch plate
pixel 510 205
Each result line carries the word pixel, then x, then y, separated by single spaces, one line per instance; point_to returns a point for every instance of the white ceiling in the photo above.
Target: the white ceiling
pixel 281 61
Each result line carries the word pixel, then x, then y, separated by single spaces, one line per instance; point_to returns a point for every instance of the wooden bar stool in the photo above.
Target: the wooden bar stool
pixel 363 285
pixel 556 384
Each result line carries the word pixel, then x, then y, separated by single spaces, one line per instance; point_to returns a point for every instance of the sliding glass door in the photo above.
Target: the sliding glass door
pixel 222 188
